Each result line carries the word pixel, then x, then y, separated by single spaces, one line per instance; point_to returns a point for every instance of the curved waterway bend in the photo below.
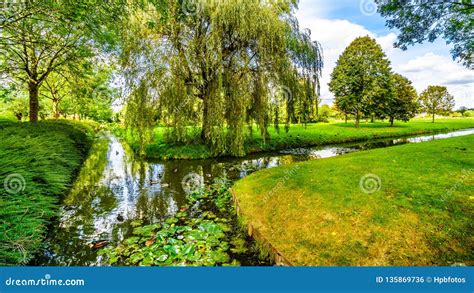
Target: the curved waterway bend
pixel 114 188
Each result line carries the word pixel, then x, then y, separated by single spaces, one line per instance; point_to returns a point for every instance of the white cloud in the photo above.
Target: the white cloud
pixel 334 36
pixel 433 69
pixel 427 64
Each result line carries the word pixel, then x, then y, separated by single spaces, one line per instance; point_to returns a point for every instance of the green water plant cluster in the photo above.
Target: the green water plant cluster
pixel 180 240
pixel 202 233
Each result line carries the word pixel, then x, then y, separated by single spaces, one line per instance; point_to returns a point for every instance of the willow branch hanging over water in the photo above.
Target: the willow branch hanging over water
pixel 217 68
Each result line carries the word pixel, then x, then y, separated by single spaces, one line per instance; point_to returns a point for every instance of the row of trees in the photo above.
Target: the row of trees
pixel 221 65
pixel 64 95
pixel 465 112
pixel 365 86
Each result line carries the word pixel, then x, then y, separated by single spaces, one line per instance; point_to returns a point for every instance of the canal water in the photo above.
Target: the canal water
pixel 115 187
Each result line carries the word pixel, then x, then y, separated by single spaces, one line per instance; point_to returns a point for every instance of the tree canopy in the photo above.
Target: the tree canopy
pixel 403 105
pixel 39 38
pixel 361 80
pixel 420 21
pixel 220 64
pixel 436 100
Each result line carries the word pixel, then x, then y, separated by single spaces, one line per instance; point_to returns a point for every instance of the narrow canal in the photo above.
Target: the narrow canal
pixel 115 188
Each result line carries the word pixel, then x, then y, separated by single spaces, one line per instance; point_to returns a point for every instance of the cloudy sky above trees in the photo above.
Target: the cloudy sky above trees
pixel 335 24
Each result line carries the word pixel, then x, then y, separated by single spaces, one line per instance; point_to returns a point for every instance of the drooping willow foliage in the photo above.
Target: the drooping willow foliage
pixel 219 66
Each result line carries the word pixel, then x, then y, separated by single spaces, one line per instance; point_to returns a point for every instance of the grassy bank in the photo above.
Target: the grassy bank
pixel 404 205
pixel 301 136
pixel 37 165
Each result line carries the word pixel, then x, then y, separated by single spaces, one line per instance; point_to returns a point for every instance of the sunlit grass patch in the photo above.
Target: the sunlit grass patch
pixel 421 215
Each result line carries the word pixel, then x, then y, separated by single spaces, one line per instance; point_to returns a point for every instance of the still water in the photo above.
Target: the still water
pixel 115 187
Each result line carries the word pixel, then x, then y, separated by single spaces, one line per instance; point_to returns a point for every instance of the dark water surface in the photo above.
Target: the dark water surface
pixel 115 188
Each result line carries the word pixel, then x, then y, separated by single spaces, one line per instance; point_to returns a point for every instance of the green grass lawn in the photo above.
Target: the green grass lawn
pixel 301 136
pixel 316 213
pixel 37 165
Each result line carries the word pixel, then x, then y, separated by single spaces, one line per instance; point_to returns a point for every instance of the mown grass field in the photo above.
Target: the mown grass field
pixel 316 212
pixel 301 136
pixel 37 166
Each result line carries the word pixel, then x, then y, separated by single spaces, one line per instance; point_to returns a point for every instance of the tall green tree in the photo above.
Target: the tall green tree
pixel 420 21
pixel 361 80
pixel 217 65
pixel 436 100
pixel 38 38
pixel 403 105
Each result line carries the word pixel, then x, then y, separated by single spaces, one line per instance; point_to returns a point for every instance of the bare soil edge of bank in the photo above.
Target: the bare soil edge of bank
pixel 275 255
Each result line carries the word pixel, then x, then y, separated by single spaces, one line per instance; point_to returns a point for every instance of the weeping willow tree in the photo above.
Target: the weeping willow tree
pixel 219 64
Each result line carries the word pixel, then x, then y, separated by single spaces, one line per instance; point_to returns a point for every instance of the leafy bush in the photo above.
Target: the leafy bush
pixel 456 115
pixel 469 113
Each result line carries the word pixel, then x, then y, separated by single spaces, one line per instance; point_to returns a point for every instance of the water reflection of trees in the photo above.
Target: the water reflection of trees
pixel 86 200
pixel 115 188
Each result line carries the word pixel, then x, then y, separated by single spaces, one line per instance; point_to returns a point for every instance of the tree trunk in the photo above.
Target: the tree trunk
pixel 55 108
pixel 391 121
pixel 433 117
pixel 34 103
pixel 205 119
pixel 317 108
pixel 357 124
pixel 345 116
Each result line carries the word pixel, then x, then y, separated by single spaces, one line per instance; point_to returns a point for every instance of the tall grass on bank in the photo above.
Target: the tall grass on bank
pixel 37 166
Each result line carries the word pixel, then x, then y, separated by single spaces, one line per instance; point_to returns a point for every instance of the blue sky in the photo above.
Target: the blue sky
pixel 336 23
